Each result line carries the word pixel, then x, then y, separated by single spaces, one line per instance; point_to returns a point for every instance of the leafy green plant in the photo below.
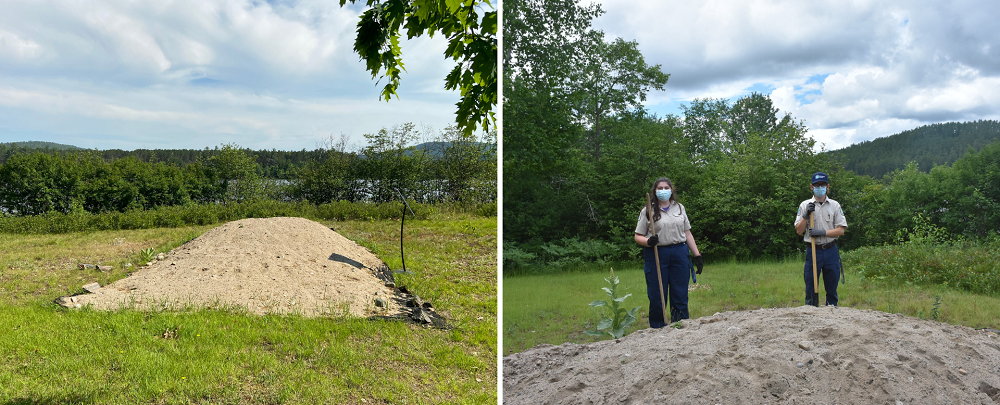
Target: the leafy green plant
pixel 618 318
pixel 935 310
pixel 148 254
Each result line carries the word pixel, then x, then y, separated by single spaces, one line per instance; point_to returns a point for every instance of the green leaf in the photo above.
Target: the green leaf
pixel 599 303
pixel 604 324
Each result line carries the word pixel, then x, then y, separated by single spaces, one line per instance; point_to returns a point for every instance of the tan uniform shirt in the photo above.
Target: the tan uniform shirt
pixel 670 227
pixel 828 215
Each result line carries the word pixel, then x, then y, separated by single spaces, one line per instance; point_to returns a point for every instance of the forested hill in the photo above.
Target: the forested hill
pixel 928 145
pixel 38 145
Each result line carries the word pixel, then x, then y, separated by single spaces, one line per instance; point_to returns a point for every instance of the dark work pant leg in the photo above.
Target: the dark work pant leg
pixel 831 274
pixel 808 275
pixel 652 290
pixel 678 269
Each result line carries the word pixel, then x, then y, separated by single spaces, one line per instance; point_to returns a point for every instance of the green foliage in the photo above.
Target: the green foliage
pixel 205 214
pixel 147 254
pixel 471 33
pixel 618 319
pixel 237 171
pixel 928 257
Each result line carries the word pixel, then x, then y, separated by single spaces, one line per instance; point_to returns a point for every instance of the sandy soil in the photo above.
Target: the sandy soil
pixel 802 355
pixel 271 265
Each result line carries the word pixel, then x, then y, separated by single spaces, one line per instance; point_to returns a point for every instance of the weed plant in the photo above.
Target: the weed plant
pixel 618 318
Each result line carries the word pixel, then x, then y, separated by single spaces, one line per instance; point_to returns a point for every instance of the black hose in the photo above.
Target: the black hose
pixel 402 221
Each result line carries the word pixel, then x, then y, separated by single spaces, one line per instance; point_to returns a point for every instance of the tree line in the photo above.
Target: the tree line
pixel 34 182
pixel 576 174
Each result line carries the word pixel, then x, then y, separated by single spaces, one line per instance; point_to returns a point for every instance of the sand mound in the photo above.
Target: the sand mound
pixel 800 355
pixel 271 265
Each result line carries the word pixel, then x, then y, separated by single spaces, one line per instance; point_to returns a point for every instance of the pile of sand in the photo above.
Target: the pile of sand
pixel 271 265
pixel 802 355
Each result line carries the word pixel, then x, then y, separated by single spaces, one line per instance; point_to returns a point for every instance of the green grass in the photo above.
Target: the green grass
pixel 552 308
pixel 49 354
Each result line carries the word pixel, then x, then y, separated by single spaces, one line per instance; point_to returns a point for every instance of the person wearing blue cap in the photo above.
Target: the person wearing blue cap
pixel 828 226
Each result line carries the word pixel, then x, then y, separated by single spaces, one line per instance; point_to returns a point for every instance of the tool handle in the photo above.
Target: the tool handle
pixel 656 256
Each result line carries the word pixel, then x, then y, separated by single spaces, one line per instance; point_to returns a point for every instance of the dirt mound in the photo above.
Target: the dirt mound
pixel 797 355
pixel 270 265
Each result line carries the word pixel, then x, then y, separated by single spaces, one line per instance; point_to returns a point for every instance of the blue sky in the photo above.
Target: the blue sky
pixel 853 71
pixel 200 73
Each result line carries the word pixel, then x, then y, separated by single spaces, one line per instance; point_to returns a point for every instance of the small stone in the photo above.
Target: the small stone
pixel 390 284
pixel 105 268
pixel 92 287
pixel 421 316
pixel 161 256
pixel 149 263
pixel 77 306
pixel 805 346
pixel 962 371
pixel 799 365
pixel 379 302
pixel 84 266
pixel 72 299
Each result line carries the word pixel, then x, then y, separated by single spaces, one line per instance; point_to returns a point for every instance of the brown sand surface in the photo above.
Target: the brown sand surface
pixel 802 355
pixel 268 265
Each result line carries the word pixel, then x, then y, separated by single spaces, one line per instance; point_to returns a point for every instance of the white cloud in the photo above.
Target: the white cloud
pixel 14 47
pixel 195 73
pixel 852 70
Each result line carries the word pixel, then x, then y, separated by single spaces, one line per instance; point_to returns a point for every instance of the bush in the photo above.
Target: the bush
pixel 929 256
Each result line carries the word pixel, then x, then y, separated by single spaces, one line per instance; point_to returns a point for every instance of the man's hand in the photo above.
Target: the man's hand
pixel 809 210
pixel 817 232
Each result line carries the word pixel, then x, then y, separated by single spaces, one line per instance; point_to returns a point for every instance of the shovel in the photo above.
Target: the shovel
pixel 656 255
pixel 815 282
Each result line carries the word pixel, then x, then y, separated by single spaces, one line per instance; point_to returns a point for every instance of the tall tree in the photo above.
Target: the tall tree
pixel 615 78
pixel 469 25
pixel 754 113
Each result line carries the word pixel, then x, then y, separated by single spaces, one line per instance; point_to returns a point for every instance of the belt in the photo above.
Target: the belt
pixel 827 246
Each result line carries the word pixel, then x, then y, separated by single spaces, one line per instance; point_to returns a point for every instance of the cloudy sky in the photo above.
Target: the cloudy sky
pixel 195 73
pixel 853 70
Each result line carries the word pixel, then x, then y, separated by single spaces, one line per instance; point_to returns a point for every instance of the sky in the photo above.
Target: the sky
pixel 853 70
pixel 190 74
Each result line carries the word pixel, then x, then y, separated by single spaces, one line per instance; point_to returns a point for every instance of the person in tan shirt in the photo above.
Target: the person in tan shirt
pixel 829 225
pixel 673 239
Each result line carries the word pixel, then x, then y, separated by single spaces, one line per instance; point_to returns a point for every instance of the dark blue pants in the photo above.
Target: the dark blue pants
pixel 674 271
pixel 828 267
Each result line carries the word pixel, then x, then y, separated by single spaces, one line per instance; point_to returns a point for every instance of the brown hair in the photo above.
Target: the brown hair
pixel 654 202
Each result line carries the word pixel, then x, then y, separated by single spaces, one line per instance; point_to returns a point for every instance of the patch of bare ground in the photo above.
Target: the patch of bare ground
pixel 800 355
pixel 266 265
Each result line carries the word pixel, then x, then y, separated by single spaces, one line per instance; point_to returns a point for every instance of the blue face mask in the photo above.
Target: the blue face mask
pixel 663 195
pixel 819 191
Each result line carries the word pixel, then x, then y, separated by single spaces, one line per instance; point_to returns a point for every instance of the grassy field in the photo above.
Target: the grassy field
pixel 553 308
pixel 51 355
